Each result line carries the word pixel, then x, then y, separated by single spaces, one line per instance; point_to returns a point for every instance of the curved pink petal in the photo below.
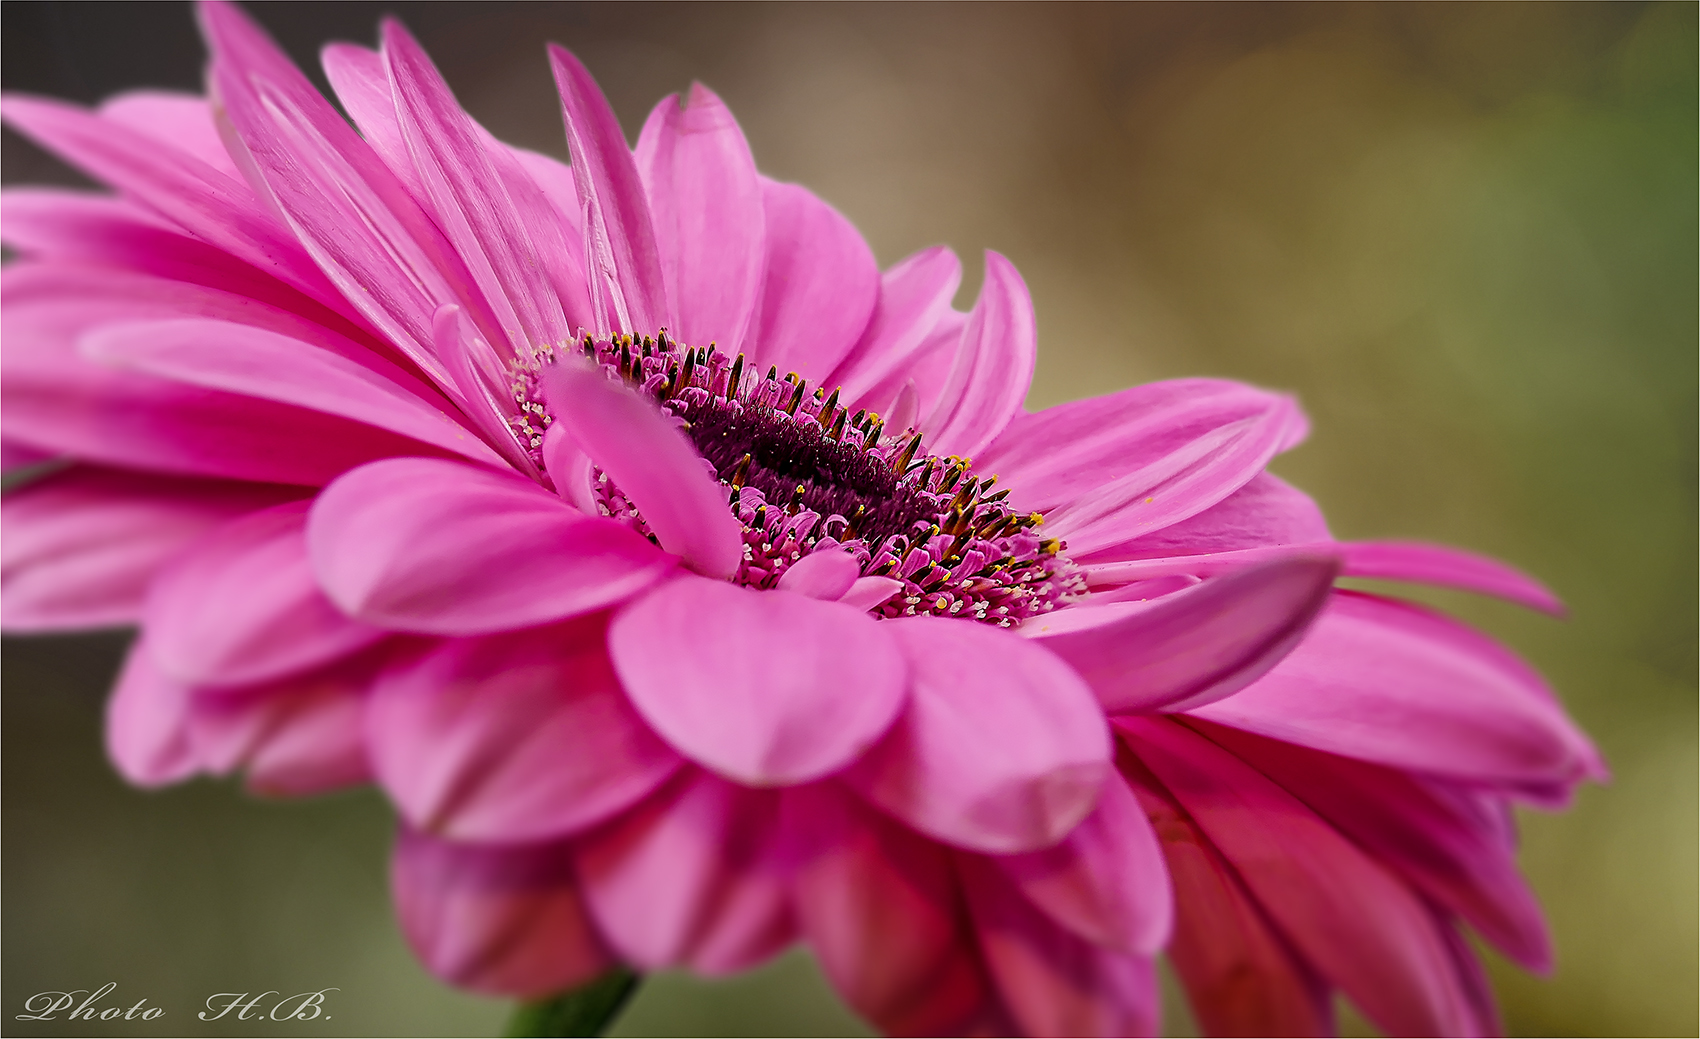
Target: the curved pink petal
pixel 1193 647
pixel 81 546
pixel 628 291
pixel 822 575
pixel 916 387
pixel 651 461
pixel 1443 851
pixel 1450 567
pixel 1105 881
pixel 451 549
pixel 993 366
pixel 1398 685
pixel 1053 982
pixel 705 202
pixel 1363 929
pixel 223 355
pixel 499 920
pixel 869 592
pixel 183 121
pixel 362 85
pixel 1243 977
pixel 147 723
pixel 820 285
pixel 914 296
pixel 1264 516
pixel 696 876
pixel 1001 747
pixel 512 738
pixel 762 687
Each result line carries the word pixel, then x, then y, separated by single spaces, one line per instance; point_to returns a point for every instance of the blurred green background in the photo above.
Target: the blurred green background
pixel 1464 234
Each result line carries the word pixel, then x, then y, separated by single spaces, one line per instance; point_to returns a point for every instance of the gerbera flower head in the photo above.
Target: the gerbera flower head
pixel 692 588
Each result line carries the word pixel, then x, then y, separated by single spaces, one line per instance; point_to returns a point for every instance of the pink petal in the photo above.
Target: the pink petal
pixel 1242 977
pixel 918 385
pixel 1053 982
pixel 914 297
pixel 1363 929
pixel 628 292
pixel 362 85
pixel 1193 647
pixel 1002 748
pixel 242 606
pixel 820 286
pixel 1060 454
pixel 1105 881
pixel 653 463
pixel 1450 567
pixel 869 592
pixel 1398 685
pixel 696 876
pixel 81 546
pixel 993 366
pixel 1264 516
pixel 512 738
pixel 1441 850
pixel 762 687
pixel 445 548
pixel 183 121
pixel 706 204
pixel 222 355
pixel 822 575
pixel 504 921
pixel 147 732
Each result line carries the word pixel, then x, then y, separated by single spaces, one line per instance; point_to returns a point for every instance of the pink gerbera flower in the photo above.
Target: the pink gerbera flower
pixel 692 588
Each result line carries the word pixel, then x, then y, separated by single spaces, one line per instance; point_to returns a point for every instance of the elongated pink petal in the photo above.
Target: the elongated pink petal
pixel 362 85
pixel 1001 748
pixel 1053 982
pixel 1451 567
pixel 652 462
pixel 993 366
pixel 512 738
pixel 1105 881
pixel 499 920
pixel 821 575
pixel 705 200
pixel 1395 684
pixel 1242 976
pixel 1441 850
pixel 82 546
pixel 916 387
pixel 1264 515
pixel 223 355
pixel 628 289
pixel 1365 931
pixel 180 121
pixel 914 296
pixel 813 683
pixel 450 549
pixel 820 285
pixel 147 723
pixel 1196 646
pixel 869 592
pixel 242 606
pixel 696 876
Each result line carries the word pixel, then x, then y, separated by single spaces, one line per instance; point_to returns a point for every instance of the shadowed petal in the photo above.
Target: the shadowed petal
pixel 451 549
pixel 762 687
pixel 993 365
pixel 915 295
pixel 1450 567
pixel 820 286
pixel 1001 748
pixel 147 723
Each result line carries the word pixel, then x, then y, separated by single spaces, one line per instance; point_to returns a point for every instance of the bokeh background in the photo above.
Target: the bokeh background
pixel 1464 234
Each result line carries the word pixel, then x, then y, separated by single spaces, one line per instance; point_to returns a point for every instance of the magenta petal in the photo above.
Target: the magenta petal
pixel 445 548
pixel 182 121
pixel 993 365
pixel 652 463
pixel 1193 647
pixel 299 736
pixel 820 286
pixel 1053 982
pixel 242 606
pixel 499 920
pixel 1265 514
pixel 822 575
pixel 1360 926
pixel 627 288
pixel 1393 683
pixel 362 85
pixel 1105 881
pixel 81 546
pixel 1001 748
pixel 914 296
pixel 147 730
pixel 869 592
pixel 511 738
pixel 1451 567
pixel 695 876
pixel 762 687
pixel 706 204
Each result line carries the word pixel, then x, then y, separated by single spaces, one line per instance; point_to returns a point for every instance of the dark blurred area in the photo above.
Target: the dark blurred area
pixel 1464 235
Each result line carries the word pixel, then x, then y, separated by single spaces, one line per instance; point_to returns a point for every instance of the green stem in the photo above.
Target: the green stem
pixel 588 1010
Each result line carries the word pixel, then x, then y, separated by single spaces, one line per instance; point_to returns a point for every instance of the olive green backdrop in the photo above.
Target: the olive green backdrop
pixel 1464 235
